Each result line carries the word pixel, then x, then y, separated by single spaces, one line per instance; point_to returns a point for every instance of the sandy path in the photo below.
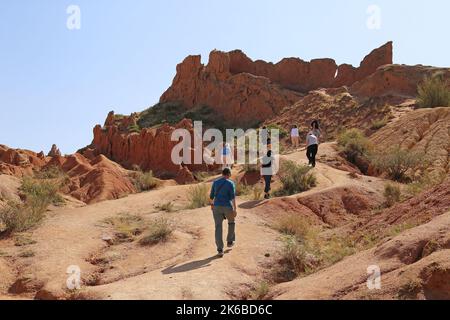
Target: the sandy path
pixel 185 267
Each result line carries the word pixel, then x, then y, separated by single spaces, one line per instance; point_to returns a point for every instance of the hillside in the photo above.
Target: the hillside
pixel 137 226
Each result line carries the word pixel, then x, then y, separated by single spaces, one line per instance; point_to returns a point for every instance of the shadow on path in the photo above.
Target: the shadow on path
pixel 193 265
pixel 250 204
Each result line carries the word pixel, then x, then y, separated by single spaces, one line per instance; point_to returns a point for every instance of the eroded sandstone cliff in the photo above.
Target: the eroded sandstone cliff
pixel 246 92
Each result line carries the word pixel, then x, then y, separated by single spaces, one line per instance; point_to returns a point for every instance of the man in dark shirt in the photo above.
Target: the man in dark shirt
pixel 223 204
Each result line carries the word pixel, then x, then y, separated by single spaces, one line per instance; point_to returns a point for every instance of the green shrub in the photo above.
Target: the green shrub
pixel 159 231
pixel 400 228
pixel 173 112
pixel 425 182
pixel 378 124
pixel 295 178
pixel 16 217
pixel 335 249
pixel 134 129
pixel 144 181
pixel 167 207
pixel 260 291
pixel 294 225
pixel 38 194
pixel 392 194
pixel 305 250
pixel 257 192
pixel 170 112
pixel 354 144
pixel 433 92
pixel 198 196
pixel 397 163
pixel 126 226
pixel 52 172
pixel 282 132
pixel 242 189
pixel 295 259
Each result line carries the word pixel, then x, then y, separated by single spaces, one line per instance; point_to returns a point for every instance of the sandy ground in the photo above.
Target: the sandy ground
pixel 185 267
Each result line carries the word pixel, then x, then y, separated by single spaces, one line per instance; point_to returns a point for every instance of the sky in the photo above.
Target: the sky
pixel 57 81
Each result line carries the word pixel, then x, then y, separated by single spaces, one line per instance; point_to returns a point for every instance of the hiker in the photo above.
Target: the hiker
pixel 295 137
pixel 227 161
pixel 316 129
pixel 223 205
pixel 267 163
pixel 312 143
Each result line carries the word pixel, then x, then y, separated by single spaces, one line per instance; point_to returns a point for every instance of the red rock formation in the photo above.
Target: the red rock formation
pixel 291 73
pixel 19 163
pixel 151 149
pixel 54 151
pixel 90 180
pixel 94 180
pixel 245 92
pixel 396 80
pixel 242 99
pixel 296 74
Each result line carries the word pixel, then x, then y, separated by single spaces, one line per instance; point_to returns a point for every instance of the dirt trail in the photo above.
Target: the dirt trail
pixel 183 268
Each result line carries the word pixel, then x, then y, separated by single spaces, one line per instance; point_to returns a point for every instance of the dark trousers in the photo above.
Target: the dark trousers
pixel 267 181
pixel 311 153
pixel 220 213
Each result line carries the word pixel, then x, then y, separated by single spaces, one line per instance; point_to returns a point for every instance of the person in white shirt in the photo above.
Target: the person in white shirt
pixel 295 137
pixel 312 143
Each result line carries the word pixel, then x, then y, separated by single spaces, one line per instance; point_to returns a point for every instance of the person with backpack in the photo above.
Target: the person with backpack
pixel 223 205
pixel 312 143
pixel 267 172
pixel 315 128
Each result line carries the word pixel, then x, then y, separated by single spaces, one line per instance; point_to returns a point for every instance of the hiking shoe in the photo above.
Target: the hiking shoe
pixel 220 253
pixel 266 196
pixel 230 244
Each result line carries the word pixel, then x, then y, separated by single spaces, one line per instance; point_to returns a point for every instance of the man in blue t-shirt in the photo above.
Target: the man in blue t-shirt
pixel 223 205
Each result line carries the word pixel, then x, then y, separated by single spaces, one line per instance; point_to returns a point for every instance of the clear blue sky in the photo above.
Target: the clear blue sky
pixel 56 84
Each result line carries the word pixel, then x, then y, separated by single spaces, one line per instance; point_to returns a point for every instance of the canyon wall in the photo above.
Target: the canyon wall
pixel 245 92
pixel 241 99
pixel 150 149
pixel 299 75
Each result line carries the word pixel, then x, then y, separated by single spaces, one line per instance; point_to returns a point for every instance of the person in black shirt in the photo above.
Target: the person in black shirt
pixel 267 172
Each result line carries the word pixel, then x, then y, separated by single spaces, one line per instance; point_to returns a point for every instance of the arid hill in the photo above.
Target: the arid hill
pixel 425 132
pixel 88 180
pixel 316 242
pixel 234 91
